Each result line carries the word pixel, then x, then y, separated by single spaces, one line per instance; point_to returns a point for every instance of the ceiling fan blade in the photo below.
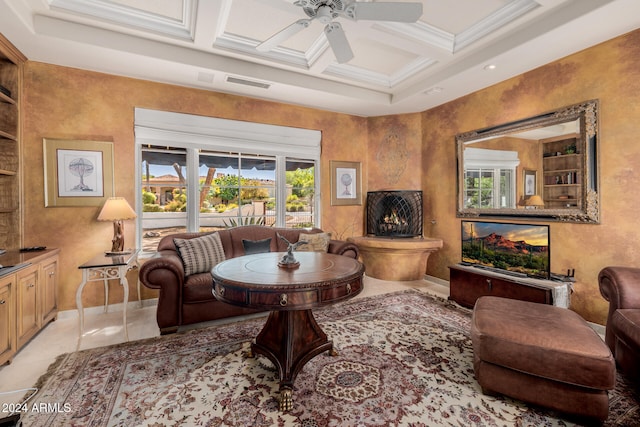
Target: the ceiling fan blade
pixel 384 11
pixel 338 42
pixel 283 35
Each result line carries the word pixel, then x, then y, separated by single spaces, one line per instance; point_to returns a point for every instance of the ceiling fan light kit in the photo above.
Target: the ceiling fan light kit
pixel 326 11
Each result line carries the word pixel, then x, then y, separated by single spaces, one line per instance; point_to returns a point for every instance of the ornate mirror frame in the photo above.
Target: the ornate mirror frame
pixel 587 210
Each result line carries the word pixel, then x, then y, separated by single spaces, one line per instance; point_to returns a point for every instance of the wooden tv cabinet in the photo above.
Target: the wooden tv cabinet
pixel 468 283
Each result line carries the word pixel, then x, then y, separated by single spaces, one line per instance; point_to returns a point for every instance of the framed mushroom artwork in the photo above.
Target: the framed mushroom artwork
pixel 346 183
pixel 77 172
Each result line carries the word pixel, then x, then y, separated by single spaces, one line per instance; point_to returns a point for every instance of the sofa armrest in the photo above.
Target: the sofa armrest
pixel 341 247
pixel 620 286
pixel 164 269
pixel 165 272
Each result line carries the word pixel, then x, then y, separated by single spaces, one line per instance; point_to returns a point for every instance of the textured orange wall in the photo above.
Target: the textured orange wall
pixel 394 153
pixel 397 152
pixel 609 72
pixel 67 103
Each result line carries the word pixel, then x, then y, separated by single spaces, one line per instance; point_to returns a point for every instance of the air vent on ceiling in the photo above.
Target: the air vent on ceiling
pixel 246 82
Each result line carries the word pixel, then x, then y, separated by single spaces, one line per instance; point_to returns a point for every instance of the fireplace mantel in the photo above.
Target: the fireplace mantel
pixel 399 259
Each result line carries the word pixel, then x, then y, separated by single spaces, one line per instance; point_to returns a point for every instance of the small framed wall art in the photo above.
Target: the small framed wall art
pixel 346 183
pixel 77 172
pixel 530 183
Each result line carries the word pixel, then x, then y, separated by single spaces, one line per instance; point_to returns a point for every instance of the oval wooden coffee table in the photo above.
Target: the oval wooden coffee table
pixel 291 336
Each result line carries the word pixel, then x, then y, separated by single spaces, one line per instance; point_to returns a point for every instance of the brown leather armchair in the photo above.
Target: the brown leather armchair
pixel 186 299
pixel 621 287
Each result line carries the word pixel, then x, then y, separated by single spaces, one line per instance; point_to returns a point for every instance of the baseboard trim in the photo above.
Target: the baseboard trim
pixel 436 280
pixel 73 313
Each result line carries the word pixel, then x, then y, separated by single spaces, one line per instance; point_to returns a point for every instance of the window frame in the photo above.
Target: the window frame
pixel 496 161
pixel 497 175
pixel 194 133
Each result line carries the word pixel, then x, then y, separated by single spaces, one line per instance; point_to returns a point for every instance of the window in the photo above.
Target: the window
pixel 490 178
pixel 227 174
pixel 489 188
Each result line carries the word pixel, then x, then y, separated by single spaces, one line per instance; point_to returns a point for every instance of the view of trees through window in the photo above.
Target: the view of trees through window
pixel 233 189
pixel 488 188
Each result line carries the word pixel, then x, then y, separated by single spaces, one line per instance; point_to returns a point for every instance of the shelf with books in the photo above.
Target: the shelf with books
pixel 11 69
pixel 562 174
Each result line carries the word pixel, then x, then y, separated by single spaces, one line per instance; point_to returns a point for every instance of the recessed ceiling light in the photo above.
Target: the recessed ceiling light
pixel 490 67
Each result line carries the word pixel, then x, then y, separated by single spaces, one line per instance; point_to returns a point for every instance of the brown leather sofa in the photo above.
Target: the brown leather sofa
pixel 621 287
pixel 185 300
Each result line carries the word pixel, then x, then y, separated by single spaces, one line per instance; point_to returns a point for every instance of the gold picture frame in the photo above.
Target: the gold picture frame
pixel 77 172
pixel 346 183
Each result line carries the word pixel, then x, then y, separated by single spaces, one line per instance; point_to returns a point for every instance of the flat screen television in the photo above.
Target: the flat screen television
pixel 522 249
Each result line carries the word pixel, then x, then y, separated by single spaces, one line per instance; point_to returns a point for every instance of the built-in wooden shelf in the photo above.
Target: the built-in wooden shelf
pixel 563 173
pixel 11 70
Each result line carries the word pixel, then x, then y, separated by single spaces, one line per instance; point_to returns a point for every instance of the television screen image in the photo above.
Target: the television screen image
pixel 517 248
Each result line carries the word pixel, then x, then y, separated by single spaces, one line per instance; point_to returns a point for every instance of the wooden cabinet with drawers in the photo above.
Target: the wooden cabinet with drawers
pixel 48 290
pixel 27 303
pixel 28 298
pixel 7 318
pixel 467 284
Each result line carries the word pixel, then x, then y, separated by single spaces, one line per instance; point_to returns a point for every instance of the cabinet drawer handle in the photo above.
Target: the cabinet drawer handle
pixel 220 290
pixel 51 274
pixel 489 284
pixel 348 288
pixel 2 302
pixel 284 299
pixel 31 285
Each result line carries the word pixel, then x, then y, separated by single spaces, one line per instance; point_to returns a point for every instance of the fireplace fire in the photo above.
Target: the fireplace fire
pixel 394 213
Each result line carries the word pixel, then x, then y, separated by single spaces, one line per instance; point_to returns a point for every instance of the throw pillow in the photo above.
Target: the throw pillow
pixel 256 246
pixel 318 242
pixel 200 254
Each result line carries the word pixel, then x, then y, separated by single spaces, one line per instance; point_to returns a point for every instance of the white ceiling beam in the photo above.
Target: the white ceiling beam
pixel 210 18
pixel 185 56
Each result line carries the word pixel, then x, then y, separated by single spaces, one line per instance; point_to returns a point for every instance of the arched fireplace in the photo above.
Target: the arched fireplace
pixel 394 213
pixel 394 248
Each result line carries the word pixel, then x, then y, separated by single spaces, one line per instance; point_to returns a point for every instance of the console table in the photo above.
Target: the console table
pixel 103 268
pixel 468 283
pixel 290 337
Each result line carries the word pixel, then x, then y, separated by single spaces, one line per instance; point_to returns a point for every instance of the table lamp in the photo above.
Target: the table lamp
pixel 117 209
pixel 535 201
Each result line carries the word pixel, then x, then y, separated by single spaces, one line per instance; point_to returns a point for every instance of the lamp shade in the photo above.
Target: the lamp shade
pixel 116 209
pixel 534 200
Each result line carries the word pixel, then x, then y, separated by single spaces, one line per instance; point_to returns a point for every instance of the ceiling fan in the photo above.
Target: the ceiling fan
pixel 326 11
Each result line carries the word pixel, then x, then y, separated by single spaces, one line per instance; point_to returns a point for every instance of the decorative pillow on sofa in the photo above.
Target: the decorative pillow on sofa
pixel 318 242
pixel 256 246
pixel 200 254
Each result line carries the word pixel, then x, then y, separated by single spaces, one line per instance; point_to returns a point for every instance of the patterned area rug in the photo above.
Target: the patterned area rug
pixel 405 359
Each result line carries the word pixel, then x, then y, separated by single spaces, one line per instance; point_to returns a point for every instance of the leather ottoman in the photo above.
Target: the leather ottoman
pixel 541 354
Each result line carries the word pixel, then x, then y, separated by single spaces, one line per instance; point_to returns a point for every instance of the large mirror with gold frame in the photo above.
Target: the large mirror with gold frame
pixel 544 167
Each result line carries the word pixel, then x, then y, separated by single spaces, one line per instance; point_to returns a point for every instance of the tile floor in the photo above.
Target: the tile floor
pixel 103 329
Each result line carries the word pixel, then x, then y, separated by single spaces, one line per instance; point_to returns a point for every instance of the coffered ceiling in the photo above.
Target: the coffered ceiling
pixel 456 47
